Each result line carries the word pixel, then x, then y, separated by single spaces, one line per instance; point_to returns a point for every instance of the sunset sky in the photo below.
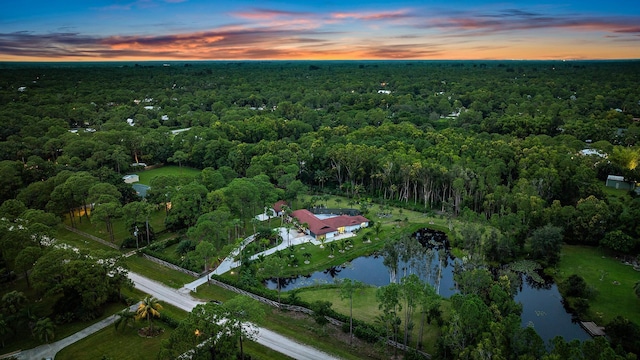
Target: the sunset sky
pixel 93 30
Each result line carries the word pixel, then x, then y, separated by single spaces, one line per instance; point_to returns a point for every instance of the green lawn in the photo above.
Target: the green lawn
pixel 144 267
pixel 127 344
pixel 612 279
pixel 120 231
pixel 79 241
pixel 111 344
pixel 147 175
pixel 365 308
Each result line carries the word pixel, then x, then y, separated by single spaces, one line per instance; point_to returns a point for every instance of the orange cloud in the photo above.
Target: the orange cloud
pixel 275 34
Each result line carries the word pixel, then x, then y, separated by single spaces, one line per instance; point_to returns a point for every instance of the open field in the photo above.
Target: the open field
pixel 147 175
pixel 612 279
pixel 365 308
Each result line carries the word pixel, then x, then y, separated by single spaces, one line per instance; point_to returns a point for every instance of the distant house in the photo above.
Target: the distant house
pixel 387 92
pixel 589 152
pixel 278 207
pixel 619 182
pixel 178 131
pixel 330 227
pixel 130 179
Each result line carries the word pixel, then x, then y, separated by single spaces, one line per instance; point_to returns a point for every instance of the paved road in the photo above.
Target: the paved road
pixel 182 299
pixel 266 337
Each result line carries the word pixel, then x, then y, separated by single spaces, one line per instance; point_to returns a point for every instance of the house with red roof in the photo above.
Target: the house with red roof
pixel 278 207
pixel 330 227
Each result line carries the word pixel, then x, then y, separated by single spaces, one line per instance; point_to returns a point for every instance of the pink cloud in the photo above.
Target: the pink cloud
pixel 269 14
pixel 514 20
pixel 389 15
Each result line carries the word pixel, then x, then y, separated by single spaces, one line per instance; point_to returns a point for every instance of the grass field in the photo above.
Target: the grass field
pixel 612 280
pixel 146 175
pixel 365 308
pixel 144 267
pixel 127 344
pixel 111 344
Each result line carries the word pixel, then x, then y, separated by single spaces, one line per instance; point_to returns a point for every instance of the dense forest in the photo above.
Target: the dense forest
pixel 499 143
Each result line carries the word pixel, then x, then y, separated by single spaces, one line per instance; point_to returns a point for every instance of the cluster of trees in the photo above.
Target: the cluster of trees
pixel 215 331
pixel 494 142
pixel 64 284
pixel 345 136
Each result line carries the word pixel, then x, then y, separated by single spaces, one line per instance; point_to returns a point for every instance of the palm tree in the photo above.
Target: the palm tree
pixel 348 244
pixel 307 256
pixel 45 329
pixel 332 247
pixel 124 318
pixel 148 308
pixel 254 222
pixel 13 301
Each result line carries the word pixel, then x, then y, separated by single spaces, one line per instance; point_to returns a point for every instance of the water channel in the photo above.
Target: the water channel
pixel 542 306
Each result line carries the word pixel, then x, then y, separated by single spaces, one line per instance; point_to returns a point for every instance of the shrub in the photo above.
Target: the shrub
pixel 366 333
pixel 575 286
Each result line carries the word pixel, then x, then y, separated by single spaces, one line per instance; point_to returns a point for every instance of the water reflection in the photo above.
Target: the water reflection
pixel 542 303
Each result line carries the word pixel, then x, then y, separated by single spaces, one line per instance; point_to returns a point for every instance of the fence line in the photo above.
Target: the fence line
pixel 89 236
pixel 303 310
pixel 170 265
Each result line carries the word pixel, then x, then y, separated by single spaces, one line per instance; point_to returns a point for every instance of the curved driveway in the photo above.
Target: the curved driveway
pixel 265 337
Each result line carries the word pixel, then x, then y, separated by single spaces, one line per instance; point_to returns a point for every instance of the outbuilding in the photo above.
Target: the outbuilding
pixel 130 179
pixel 619 182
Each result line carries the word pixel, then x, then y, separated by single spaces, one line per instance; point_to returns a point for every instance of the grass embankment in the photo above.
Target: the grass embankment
pixel 79 241
pixel 150 269
pixel 612 280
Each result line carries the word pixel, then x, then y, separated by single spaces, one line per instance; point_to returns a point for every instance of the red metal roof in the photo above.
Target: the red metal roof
pixel 321 227
pixel 316 226
pixel 345 220
pixel 278 206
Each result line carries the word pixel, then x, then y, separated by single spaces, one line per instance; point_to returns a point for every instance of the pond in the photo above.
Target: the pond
pixel 542 306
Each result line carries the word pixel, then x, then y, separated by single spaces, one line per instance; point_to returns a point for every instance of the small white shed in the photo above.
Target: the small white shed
pixel 130 179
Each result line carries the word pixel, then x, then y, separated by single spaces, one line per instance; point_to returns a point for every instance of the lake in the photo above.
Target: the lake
pixel 542 307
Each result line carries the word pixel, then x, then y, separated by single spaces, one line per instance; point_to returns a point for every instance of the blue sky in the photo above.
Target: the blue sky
pixel 34 30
